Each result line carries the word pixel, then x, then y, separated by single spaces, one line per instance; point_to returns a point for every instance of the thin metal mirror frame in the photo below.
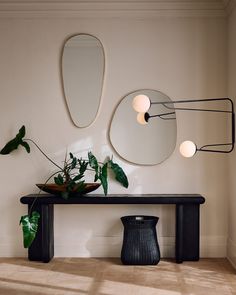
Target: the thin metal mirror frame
pixel 62 80
pixel 112 117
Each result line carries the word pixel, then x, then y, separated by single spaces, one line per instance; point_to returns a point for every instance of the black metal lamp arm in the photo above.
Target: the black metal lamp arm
pixel 205 148
pixel 163 116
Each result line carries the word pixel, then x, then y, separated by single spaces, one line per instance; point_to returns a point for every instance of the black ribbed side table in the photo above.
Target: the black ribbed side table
pixel 140 244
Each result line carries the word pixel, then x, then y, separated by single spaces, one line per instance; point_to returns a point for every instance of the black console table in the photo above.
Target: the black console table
pixel 187 220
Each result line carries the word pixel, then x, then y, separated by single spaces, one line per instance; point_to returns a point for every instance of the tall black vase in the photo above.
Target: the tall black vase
pixel 140 244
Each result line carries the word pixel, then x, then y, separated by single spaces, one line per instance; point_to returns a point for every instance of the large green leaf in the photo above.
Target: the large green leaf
pixel 80 186
pixel 9 147
pixel 104 184
pixel 82 166
pixel 103 178
pixel 21 133
pixel 93 161
pixel 96 177
pixel 15 142
pixel 59 179
pixel 73 163
pixel 71 155
pixel 120 175
pixel 29 227
pixel 26 146
pixel 77 177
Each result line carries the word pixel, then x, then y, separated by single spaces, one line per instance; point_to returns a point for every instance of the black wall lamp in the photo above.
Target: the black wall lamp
pixel 142 103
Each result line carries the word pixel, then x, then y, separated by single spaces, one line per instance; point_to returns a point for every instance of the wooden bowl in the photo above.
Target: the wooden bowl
pixel 56 189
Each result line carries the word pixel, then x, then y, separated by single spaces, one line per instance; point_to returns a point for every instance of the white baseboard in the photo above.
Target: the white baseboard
pixel 9 250
pixel 108 247
pixel 231 252
pixel 210 246
pixel 213 246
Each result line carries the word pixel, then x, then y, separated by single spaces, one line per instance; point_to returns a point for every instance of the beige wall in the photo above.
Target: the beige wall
pixel 182 57
pixel 231 253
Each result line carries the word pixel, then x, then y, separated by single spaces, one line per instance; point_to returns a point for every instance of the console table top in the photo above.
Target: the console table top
pixel 116 199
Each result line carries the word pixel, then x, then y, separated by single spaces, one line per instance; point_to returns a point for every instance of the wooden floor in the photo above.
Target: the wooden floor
pixel 73 276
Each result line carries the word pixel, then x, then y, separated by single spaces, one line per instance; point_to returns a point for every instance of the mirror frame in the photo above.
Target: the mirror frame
pixel 63 82
pixel 111 120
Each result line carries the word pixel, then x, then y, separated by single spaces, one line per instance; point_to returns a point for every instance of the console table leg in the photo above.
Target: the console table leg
pixel 42 248
pixel 187 232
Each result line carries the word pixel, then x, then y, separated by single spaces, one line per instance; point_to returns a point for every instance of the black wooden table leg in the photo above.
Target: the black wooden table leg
pixel 42 248
pixel 187 232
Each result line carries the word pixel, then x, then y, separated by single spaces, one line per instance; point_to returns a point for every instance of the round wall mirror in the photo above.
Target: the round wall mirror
pixel 144 144
pixel 83 72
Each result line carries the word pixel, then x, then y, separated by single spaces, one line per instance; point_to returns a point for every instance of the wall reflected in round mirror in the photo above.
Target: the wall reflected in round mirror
pixel 144 144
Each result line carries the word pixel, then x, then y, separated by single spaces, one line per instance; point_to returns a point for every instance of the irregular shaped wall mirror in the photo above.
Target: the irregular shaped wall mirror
pixel 148 144
pixel 83 65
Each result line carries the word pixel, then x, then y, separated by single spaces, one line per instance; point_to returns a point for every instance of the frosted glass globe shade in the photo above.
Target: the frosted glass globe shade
pixel 141 118
pixel 188 148
pixel 141 103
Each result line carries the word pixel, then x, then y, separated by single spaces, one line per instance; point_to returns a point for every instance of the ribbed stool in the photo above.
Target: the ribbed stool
pixel 140 245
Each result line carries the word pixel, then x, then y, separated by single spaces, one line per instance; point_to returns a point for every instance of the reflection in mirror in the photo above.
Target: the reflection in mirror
pixel 143 144
pixel 83 72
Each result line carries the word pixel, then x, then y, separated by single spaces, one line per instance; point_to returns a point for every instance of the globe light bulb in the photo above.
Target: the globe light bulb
pixel 188 149
pixel 141 118
pixel 141 103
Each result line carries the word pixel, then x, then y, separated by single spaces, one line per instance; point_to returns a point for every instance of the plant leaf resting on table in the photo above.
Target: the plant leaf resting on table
pixel 70 176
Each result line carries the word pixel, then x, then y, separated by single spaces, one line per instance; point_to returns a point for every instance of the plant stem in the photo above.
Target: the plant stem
pixel 27 139
pixel 31 207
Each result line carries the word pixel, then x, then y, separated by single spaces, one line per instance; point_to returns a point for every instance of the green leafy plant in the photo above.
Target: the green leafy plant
pixel 29 227
pixel 70 176
pixel 15 142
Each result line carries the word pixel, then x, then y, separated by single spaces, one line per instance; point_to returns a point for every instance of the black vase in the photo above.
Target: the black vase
pixel 140 245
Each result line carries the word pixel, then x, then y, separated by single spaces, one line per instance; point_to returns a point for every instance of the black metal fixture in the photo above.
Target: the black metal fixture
pixel 142 104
